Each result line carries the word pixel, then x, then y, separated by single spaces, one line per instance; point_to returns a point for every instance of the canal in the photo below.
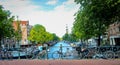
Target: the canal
pixel 62 46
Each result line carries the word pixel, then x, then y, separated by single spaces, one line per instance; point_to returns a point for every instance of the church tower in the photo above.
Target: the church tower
pixel 66 29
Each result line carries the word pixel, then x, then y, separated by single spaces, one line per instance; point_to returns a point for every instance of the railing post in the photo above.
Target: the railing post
pixel 61 51
pixel 46 48
pixel 19 53
pixel 47 52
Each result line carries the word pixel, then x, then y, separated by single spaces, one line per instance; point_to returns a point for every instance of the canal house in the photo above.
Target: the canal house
pixel 114 33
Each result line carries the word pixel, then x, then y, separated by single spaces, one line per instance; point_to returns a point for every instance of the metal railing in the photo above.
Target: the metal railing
pixel 63 52
pixel 104 52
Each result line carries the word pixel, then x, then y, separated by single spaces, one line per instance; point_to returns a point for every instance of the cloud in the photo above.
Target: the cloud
pixel 19 7
pixel 69 2
pixel 54 20
pixel 52 2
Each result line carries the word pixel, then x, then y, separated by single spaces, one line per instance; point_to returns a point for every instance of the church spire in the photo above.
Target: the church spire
pixel 66 29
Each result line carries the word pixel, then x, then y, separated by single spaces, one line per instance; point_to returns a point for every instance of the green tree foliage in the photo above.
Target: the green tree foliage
pixel 55 37
pixel 6 27
pixel 106 10
pixel 66 37
pixel 70 37
pixel 48 37
pixel 73 38
pixel 39 34
pixel 95 16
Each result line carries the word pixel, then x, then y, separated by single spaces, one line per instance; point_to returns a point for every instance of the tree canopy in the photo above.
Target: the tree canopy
pixel 66 37
pixel 6 21
pixel 55 37
pixel 94 17
pixel 39 34
pixel 70 37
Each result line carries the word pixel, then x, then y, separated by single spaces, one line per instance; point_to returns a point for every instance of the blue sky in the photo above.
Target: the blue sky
pixel 52 14
pixel 47 4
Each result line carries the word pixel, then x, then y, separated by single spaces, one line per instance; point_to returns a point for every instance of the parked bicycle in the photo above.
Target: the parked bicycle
pixel 6 55
pixel 64 55
pixel 96 53
pixel 86 53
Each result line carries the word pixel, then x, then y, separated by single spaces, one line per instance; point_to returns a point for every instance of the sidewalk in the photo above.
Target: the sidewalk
pixel 61 62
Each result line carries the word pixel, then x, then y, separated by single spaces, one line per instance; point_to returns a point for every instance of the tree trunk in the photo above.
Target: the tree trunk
pixel 0 42
pixel 99 40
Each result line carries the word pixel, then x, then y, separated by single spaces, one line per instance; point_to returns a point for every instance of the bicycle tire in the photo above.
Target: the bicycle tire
pixel 118 54
pixel 109 54
pixel 9 55
pixel 55 55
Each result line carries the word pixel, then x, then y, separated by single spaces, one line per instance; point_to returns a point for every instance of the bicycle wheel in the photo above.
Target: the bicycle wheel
pixel 109 54
pixel 118 54
pixel 75 54
pixel 55 55
pixel 9 55
pixel 80 56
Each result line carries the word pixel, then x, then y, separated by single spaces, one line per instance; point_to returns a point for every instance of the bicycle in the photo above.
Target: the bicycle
pixel 33 53
pixel 87 53
pixel 63 55
pixel 106 52
pixel 6 55
pixel 102 53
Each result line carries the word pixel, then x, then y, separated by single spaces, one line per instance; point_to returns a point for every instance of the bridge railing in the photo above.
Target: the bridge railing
pixel 63 52
pixel 105 52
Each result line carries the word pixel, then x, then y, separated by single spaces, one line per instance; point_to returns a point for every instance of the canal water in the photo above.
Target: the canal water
pixel 57 46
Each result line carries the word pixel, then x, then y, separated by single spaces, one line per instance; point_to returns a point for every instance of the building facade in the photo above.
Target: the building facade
pixel 114 33
pixel 25 29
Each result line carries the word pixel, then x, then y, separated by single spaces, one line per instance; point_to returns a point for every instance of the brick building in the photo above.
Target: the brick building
pixel 25 29
pixel 114 33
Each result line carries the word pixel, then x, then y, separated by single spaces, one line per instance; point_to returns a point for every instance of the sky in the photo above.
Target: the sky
pixel 54 15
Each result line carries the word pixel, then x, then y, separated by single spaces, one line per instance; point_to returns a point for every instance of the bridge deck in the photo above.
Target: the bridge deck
pixel 60 62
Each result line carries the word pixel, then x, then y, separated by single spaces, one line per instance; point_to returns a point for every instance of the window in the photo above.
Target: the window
pixel 119 28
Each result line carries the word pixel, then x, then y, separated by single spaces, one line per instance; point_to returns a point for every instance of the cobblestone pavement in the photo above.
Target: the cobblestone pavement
pixel 61 62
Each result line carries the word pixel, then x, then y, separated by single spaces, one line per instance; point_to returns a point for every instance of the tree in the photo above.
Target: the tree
pixel 73 38
pixel 70 37
pixel 48 37
pixel 95 16
pixel 81 26
pixel 6 21
pixel 55 37
pixel 39 34
pixel 66 37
